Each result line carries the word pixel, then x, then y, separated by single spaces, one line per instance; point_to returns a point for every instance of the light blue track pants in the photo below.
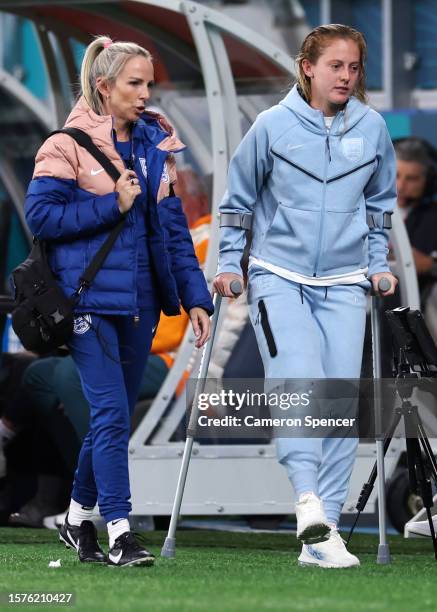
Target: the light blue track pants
pixel 318 333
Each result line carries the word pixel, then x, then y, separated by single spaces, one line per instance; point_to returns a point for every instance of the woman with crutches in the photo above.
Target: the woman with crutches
pixel 317 174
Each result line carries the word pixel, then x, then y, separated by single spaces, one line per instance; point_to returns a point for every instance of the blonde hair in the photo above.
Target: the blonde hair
pixel 104 58
pixel 315 44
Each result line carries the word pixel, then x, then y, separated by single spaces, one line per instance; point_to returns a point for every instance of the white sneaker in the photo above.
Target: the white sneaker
pixel 332 553
pixel 55 521
pixel 312 524
pixel 422 527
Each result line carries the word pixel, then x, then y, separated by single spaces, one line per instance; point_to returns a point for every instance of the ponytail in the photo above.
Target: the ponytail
pixel 104 58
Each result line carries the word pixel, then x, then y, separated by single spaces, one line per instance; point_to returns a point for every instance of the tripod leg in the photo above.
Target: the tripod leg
pixel 411 463
pixel 424 490
pixel 368 486
pixel 427 449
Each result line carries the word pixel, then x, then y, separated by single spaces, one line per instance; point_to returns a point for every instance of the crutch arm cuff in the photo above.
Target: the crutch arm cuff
pixel 240 220
pixel 374 221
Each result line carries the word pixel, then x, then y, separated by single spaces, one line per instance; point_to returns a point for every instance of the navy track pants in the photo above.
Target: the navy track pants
pixel 110 353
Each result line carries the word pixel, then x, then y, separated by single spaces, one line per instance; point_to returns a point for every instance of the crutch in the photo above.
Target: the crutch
pixel 169 547
pixel 381 443
pixel 383 556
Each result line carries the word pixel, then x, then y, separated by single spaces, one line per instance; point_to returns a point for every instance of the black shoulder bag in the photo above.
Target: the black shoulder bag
pixel 43 316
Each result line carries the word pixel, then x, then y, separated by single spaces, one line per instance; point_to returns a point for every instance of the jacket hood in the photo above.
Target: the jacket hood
pixel 312 119
pixel 151 126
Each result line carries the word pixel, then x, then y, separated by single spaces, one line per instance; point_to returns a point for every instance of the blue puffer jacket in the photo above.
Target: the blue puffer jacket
pixel 71 204
pixel 311 192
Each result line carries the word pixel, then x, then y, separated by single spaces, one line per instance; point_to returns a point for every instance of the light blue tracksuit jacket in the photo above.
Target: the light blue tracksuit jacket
pixel 312 192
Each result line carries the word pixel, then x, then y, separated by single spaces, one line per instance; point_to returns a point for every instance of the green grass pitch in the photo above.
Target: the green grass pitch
pixel 216 571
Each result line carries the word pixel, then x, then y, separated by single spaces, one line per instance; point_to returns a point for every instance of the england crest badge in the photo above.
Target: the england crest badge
pixel 352 148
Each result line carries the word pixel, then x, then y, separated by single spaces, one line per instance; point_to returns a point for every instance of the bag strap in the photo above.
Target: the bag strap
pixel 98 260
pixel 84 140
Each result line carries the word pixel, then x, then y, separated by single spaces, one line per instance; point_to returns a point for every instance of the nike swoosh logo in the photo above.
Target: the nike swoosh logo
pixel 291 147
pixel 94 172
pixel 115 522
pixel 315 553
pixel 115 558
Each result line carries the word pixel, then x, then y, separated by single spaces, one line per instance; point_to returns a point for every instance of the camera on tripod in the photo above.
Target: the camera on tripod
pixel 414 357
pixel 414 350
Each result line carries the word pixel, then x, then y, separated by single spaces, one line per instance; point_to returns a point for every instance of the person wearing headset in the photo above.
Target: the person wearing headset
pixel 416 183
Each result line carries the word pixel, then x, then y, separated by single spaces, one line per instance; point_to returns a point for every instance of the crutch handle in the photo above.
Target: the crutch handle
pixel 384 284
pixel 236 287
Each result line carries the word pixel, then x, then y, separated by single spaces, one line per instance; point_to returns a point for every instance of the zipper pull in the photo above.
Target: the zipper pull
pixel 328 147
pixel 136 320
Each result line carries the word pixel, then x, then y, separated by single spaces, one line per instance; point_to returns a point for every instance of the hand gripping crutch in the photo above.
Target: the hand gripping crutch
pixel 169 547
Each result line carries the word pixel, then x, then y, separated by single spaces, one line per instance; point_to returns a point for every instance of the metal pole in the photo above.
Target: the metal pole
pixel 169 547
pixel 383 557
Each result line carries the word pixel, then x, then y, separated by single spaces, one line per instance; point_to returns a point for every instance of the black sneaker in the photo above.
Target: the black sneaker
pixel 84 540
pixel 127 550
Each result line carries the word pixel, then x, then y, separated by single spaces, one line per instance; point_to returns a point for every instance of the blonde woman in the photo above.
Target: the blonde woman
pixel 72 204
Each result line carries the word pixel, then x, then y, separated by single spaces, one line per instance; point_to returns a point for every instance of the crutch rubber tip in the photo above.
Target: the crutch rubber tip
pixel 383 557
pixel 169 548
